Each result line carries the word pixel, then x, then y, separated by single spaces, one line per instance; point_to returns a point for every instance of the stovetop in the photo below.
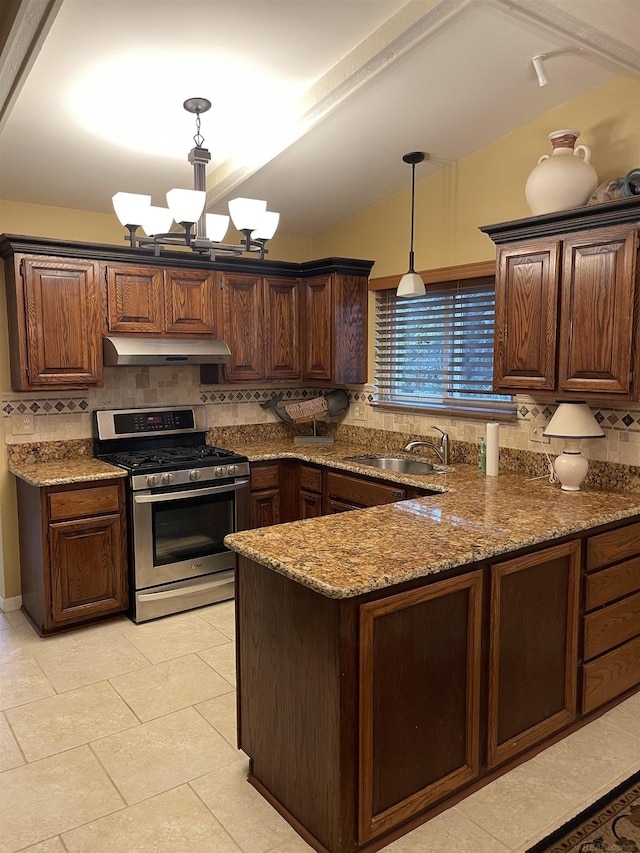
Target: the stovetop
pixel 172 458
pixel 163 447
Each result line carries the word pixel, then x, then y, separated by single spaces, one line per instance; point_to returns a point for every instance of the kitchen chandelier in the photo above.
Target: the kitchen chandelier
pixel 411 284
pixel 186 207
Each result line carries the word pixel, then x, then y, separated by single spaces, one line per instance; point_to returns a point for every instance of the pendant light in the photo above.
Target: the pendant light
pixel 411 284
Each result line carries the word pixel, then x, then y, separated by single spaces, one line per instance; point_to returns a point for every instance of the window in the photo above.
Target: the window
pixel 436 351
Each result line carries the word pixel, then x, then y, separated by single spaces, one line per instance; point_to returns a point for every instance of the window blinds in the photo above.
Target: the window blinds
pixel 436 351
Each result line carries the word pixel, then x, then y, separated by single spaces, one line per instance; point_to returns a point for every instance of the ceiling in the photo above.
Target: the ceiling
pixel 314 101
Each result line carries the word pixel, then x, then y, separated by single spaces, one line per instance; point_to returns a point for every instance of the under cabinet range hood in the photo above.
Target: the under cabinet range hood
pixel 132 350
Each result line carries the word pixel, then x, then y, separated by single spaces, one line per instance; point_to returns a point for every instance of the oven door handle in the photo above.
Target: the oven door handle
pixel 189 493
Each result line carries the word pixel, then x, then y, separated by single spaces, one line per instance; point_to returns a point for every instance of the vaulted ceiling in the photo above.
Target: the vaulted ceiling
pixel 314 101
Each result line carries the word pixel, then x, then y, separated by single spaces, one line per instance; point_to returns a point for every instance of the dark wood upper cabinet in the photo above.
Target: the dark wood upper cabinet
pixel 335 347
pixel 282 328
pixel 568 303
pixel 596 311
pixel 55 323
pixel 241 320
pixel 526 316
pixel 276 328
pixel 135 299
pixel 189 302
pixel 152 300
pixel 318 350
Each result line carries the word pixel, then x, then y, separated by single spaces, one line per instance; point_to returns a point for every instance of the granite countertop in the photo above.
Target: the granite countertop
pixel 474 518
pixel 59 472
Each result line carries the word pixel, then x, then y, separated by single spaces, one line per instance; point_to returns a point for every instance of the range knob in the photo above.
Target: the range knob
pixel 153 480
pixel 167 479
pixel 233 469
pixel 195 474
pixel 220 471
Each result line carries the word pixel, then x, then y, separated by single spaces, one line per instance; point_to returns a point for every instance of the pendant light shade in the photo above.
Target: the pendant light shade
pixel 411 284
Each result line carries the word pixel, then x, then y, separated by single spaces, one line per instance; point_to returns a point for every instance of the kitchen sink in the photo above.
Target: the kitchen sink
pixel 399 464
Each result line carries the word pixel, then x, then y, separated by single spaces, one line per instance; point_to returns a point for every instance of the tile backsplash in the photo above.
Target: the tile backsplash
pixel 59 416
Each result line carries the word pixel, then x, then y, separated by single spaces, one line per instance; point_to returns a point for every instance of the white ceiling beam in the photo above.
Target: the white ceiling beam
pixel 413 23
pixel 30 27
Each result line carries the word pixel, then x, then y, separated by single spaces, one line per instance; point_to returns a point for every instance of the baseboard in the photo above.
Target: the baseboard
pixel 9 604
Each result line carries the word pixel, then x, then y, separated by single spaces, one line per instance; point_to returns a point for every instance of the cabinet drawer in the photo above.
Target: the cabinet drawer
pixel 614 582
pixel 310 478
pixel 79 503
pixel 613 546
pixel 610 675
pixel 362 492
pixel 611 626
pixel 265 476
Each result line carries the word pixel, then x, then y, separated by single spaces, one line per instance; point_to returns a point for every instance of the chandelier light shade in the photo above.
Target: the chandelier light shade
pixel 267 227
pixel 572 422
pixel 411 284
pixel 202 232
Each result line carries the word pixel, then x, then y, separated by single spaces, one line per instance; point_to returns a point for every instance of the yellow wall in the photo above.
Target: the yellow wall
pixel 484 188
pixel 487 186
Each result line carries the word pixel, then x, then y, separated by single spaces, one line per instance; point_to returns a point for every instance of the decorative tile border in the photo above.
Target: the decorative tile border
pixel 619 419
pixel 44 406
pixel 263 395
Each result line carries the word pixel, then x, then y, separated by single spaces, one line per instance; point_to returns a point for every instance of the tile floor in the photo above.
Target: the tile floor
pixel 120 738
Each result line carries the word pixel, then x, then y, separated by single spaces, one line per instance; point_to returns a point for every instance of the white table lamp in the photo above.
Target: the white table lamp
pixel 572 422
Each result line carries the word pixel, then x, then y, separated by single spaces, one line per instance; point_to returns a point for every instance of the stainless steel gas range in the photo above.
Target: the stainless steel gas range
pixel 184 496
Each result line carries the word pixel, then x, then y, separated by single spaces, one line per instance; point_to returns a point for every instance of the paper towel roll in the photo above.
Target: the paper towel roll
pixel 493 430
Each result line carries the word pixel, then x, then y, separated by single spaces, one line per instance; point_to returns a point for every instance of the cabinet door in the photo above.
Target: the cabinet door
pixel 349 325
pixel 597 312
pixel 533 650
pixel 345 492
pixel 242 325
pixel 525 318
pixel 282 328
pixel 419 699
pixel 310 505
pixel 318 328
pixel 63 323
pixel 189 301
pixel 88 576
pixel 135 298
pixel 265 508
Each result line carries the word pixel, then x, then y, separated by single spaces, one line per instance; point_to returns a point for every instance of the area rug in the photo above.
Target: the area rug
pixel 610 825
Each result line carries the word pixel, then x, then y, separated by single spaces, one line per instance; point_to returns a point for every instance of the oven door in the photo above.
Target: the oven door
pixel 178 533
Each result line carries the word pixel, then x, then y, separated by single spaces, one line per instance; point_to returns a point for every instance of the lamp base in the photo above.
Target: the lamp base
pixel 571 467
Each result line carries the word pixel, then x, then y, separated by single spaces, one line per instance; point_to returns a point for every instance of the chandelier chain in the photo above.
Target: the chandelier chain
pixel 198 138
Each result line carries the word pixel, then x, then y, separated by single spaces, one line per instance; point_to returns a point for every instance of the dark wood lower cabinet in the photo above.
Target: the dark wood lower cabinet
pixel 533 638
pixel 73 552
pixel 364 717
pixel 419 680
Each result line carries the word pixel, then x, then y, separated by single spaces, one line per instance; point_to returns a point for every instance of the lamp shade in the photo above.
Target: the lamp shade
pixel 247 213
pixel 267 226
pixel 573 420
pixel 411 285
pixel 130 207
pixel 186 205
pixel 156 220
pixel 216 225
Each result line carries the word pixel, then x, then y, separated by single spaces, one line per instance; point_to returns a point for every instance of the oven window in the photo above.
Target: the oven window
pixel 190 528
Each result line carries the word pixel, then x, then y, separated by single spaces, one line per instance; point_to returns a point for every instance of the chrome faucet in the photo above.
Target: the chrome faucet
pixel 441 449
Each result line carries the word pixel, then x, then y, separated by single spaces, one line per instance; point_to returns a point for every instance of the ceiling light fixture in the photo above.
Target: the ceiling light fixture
pixel 539 69
pixel 411 284
pixel 250 216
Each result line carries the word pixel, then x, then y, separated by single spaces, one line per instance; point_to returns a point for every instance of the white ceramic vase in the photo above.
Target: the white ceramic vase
pixel 562 180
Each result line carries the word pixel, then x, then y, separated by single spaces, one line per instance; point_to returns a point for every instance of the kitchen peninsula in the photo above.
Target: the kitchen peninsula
pixel 393 659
